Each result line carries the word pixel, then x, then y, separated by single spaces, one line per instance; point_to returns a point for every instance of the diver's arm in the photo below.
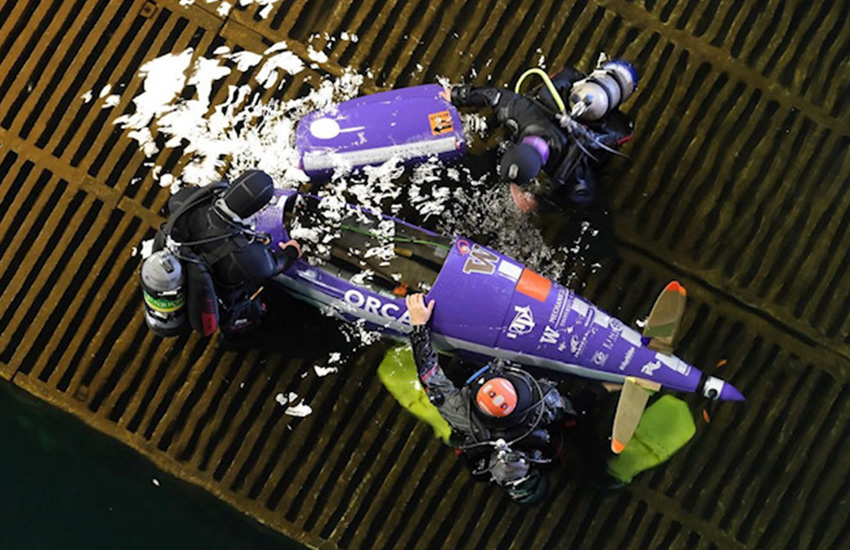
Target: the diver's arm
pixel 513 111
pixel 256 262
pixel 464 95
pixel 286 256
pixel 451 402
pixel 427 366
pixel 437 385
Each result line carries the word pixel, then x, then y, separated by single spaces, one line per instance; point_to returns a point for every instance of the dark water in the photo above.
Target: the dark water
pixel 66 486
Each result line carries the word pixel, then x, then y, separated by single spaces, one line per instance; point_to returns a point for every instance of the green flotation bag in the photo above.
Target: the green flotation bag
pixel 664 428
pixel 398 374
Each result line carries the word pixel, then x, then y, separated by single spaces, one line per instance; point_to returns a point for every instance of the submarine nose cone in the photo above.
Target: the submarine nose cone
pixel 715 388
pixel 730 393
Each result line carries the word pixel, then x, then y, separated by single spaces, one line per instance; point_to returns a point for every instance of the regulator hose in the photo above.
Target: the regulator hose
pixel 547 82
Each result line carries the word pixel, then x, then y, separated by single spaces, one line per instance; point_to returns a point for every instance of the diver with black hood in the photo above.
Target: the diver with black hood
pixel 502 419
pixel 208 258
pixel 566 128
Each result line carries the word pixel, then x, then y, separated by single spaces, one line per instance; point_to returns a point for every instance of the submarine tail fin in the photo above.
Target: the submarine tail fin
pixel 630 408
pixel 664 319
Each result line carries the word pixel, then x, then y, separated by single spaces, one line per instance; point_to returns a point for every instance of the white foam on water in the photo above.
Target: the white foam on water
pixel 474 127
pixel 164 78
pixel 300 410
pixel 111 101
pixel 223 9
pixel 317 56
pixel 321 372
pixel 144 249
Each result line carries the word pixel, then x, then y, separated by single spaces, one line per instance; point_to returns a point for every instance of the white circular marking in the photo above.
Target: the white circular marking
pixel 324 128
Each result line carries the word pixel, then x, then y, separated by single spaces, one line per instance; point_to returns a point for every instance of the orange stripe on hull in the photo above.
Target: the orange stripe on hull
pixel 533 285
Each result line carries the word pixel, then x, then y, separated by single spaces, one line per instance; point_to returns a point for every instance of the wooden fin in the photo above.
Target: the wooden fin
pixel 663 320
pixel 630 408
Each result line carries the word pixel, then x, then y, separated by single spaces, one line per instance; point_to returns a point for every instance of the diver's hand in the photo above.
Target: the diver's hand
pixel 446 94
pixel 291 242
pixel 524 200
pixel 419 312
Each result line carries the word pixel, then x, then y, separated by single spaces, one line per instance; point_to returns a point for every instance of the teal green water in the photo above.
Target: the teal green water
pixel 65 486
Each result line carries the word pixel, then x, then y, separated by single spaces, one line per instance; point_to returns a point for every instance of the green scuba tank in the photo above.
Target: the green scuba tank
pixel 163 289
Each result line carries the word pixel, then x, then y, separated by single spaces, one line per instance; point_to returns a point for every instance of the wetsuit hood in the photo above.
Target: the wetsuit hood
pixel 248 193
pixel 520 164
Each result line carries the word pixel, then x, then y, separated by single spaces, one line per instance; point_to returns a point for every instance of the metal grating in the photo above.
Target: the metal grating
pixel 743 126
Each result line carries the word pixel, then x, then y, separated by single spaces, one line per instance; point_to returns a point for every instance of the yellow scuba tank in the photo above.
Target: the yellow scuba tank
pixel 163 281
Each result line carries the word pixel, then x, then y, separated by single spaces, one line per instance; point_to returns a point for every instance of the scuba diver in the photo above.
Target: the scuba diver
pixel 566 128
pixel 208 258
pixel 501 419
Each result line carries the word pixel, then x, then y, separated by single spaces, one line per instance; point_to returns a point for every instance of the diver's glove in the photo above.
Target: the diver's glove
pixel 460 93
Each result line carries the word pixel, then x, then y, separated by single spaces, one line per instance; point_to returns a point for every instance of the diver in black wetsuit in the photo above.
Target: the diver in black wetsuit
pixel 502 419
pixel 210 227
pixel 567 145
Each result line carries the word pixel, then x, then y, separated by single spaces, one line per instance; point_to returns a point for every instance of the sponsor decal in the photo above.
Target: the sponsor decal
pixel 557 309
pixel 533 285
pixel 575 345
pixel 523 322
pixel 480 261
pixel 631 336
pixel 550 336
pixel 650 368
pixel 613 335
pixel 627 359
pixel 600 358
pixel 675 364
pixel 441 123
pixel 579 306
pixel 509 270
pixel 601 318
pixel 370 304
pixel 463 247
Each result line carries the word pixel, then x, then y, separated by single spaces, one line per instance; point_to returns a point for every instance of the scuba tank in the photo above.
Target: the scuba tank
pixel 166 281
pixel 603 90
pixel 162 286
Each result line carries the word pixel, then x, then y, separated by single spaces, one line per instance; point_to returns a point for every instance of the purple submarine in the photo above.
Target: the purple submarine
pixel 489 305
